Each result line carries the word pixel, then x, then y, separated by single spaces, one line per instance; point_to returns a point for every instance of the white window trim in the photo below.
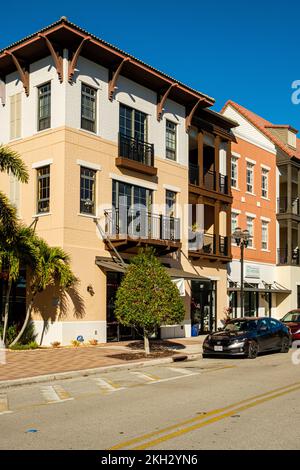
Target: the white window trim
pixel 90 165
pixel 265 167
pixel 236 155
pixel 252 216
pixel 253 162
pixel 134 181
pixel 265 219
pixel 42 163
pixel 236 211
pixel 169 187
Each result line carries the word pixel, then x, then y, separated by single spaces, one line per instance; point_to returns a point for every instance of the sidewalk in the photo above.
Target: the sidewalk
pixel 49 362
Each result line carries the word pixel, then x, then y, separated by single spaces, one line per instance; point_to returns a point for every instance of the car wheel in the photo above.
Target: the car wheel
pixel 252 350
pixel 285 345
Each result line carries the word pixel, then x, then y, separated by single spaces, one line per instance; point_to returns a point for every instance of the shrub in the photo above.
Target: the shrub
pixel 11 333
pixel 75 343
pixel 93 342
pixel 24 347
pixel 55 344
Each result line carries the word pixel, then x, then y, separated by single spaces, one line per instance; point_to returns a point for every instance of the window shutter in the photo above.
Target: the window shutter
pixel 15 116
pixel 12 117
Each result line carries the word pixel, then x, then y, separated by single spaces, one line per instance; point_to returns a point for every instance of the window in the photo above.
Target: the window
pixel 44 106
pixel 249 177
pixel 170 203
pixel 170 140
pixel 250 228
pixel 234 172
pixel 234 221
pixel 264 235
pixel 87 190
pixel 88 108
pixel 264 182
pixel 43 189
pixel 133 123
pixel 15 116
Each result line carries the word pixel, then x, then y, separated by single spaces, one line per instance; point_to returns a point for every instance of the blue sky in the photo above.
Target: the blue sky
pixel 247 51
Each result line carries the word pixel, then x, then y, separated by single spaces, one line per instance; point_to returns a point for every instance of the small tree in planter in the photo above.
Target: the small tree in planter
pixel 147 297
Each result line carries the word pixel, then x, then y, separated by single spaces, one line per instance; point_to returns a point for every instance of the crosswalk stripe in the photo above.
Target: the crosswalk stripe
pixel 180 370
pixel 4 404
pixel 55 394
pixel 108 385
pixel 148 377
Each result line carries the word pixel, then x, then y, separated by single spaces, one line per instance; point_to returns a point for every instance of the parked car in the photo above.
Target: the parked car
pixel 292 320
pixel 248 337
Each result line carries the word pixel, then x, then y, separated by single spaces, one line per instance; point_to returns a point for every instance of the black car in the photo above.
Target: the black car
pixel 248 337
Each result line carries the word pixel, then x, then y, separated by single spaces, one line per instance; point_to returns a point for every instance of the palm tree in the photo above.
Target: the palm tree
pixel 54 269
pixel 10 161
pixel 20 249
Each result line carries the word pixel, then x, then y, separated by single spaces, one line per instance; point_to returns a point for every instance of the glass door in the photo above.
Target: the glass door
pixel 203 306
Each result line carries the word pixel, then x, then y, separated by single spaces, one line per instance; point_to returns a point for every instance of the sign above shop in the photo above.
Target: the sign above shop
pixel 252 271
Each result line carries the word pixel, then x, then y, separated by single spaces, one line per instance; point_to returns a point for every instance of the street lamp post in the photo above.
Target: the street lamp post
pixel 241 238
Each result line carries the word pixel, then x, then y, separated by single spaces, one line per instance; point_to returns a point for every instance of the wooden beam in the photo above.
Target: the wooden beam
pixel 75 57
pixel 113 82
pixel 189 117
pixel 163 99
pixel 22 71
pixel 56 56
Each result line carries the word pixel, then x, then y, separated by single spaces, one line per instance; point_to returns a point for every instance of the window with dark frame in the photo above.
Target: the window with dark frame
pixel 43 189
pixel 250 177
pixel 170 203
pixel 234 172
pixel 44 106
pixel 87 190
pixel 88 108
pixel 171 140
pixel 133 123
pixel 264 182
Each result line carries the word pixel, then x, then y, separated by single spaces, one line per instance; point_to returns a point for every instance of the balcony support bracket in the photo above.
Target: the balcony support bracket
pixel 73 62
pixel 162 99
pixel 23 71
pixel 189 117
pixel 113 82
pixel 56 56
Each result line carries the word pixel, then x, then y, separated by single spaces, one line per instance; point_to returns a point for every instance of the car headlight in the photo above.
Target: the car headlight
pixel 237 343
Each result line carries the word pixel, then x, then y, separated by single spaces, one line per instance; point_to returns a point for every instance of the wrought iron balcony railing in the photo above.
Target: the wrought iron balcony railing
pixel 282 206
pixel 283 256
pixel 209 179
pixel 136 150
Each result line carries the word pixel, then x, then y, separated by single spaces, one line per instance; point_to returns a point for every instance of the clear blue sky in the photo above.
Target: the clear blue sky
pixel 243 50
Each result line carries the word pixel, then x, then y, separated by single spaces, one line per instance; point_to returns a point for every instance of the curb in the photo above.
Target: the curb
pixel 87 372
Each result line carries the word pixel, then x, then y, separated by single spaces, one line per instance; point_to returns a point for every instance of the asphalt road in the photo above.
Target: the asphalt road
pixel 203 404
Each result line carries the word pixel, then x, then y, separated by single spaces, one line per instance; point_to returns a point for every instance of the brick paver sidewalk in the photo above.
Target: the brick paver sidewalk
pixel 23 364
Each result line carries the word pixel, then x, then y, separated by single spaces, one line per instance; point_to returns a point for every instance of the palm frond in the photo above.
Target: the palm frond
pixel 8 215
pixel 10 160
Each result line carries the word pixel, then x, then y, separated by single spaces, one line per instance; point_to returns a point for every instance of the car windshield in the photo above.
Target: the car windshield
pixel 241 325
pixel 292 316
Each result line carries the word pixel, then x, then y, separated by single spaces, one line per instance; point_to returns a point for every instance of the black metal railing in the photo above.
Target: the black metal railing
pixel 136 150
pixel 282 206
pixel 139 223
pixel 209 179
pixel 283 256
pixel 224 245
pixel 206 243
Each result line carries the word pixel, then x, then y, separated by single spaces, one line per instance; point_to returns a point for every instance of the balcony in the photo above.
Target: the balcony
pixel 204 245
pixel 134 154
pixel 282 257
pixel 129 230
pixel 282 206
pixel 209 179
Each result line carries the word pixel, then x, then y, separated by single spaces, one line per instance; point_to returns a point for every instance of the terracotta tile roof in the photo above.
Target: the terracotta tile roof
pixel 264 126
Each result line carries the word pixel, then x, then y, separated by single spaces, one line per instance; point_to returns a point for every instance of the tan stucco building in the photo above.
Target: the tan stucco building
pixel 120 156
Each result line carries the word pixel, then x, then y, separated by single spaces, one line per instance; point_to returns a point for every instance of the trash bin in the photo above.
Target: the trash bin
pixel 195 329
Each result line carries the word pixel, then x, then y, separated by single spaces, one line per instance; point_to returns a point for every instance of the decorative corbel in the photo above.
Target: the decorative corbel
pixel 163 98
pixel 74 60
pixel 189 117
pixel 113 82
pixel 22 71
pixel 57 58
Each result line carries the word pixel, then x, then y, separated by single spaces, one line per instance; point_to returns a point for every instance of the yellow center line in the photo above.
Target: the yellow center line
pixel 266 395
pixel 212 420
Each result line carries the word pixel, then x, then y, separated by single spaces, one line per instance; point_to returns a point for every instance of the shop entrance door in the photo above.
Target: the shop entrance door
pixel 115 331
pixel 203 306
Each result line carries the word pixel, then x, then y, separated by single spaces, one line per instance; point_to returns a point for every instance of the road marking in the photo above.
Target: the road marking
pixel 108 386
pixel 55 394
pixel 4 404
pixel 180 370
pixel 203 421
pixel 148 377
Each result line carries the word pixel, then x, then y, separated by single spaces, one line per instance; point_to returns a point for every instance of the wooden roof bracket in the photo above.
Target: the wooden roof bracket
pixel 56 56
pixel 73 62
pixel 189 117
pixel 162 100
pixel 22 71
pixel 113 82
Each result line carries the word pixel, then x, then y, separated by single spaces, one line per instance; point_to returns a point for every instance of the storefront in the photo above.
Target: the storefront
pixel 203 306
